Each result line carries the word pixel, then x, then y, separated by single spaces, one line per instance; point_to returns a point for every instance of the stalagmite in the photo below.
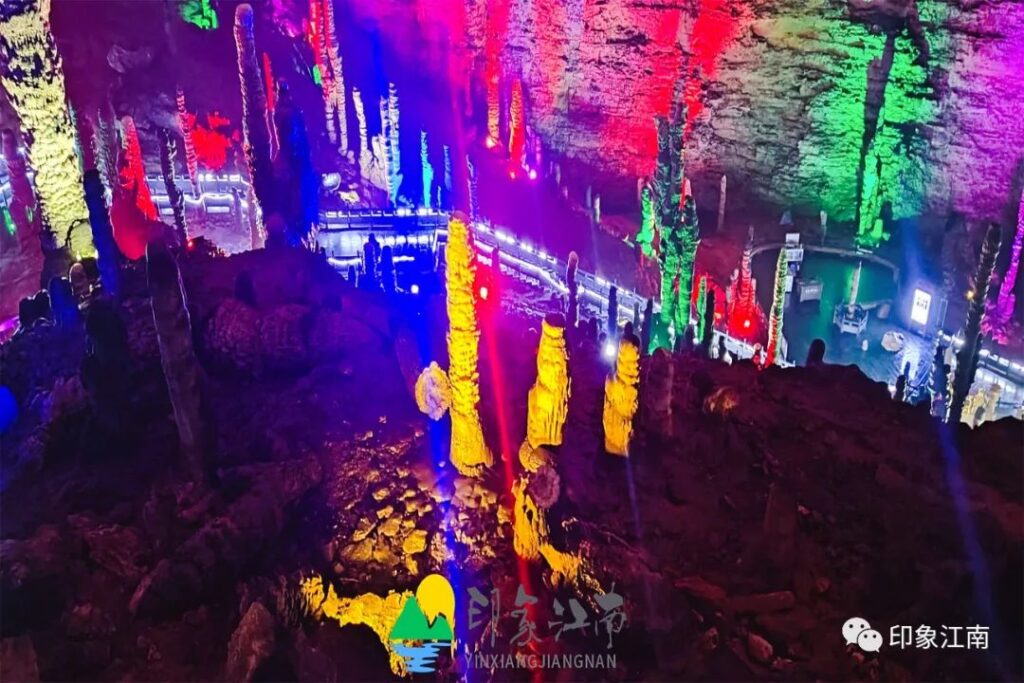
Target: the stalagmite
pixel 620 398
pixel 337 76
pixel 270 88
pixel 178 358
pixel 254 114
pixel 187 120
pixel 32 76
pixel 962 377
pixel 530 527
pixel 778 308
pixel 548 402
pixel 108 256
pixel 105 147
pixel 573 307
pixel 133 169
pixel 174 195
pixel 469 453
pixel 394 153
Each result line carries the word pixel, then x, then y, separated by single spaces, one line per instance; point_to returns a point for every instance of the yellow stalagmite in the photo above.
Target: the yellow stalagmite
pixel 530 527
pixel 468 451
pixel 34 80
pixel 549 397
pixel 620 398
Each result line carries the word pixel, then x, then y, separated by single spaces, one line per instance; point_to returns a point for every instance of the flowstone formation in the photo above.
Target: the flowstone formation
pixel 678 253
pixel 548 402
pixel 433 392
pixel 32 76
pixel 621 398
pixel 998 321
pixel 469 453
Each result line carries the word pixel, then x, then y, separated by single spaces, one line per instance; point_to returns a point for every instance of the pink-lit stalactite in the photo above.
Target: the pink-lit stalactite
pixel 517 127
pixel 187 122
pixel 337 92
pixel 1000 315
pixel 133 172
pixel 494 41
pixel 254 114
pixel 268 85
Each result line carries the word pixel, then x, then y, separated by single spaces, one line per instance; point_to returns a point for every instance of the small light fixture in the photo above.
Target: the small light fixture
pixel 608 350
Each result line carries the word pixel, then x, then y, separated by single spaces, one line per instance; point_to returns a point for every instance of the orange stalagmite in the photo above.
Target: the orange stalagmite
pixel 469 453
pixel 549 397
pixel 530 526
pixel 620 398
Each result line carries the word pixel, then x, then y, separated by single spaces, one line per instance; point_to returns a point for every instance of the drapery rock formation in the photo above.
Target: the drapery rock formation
pixel 621 398
pixel 32 75
pixel 469 453
pixel 776 91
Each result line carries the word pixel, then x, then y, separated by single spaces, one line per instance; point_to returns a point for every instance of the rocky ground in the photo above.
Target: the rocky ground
pixel 741 533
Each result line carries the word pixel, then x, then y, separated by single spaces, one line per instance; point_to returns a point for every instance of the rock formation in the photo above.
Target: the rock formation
pixel 433 392
pixel 962 377
pixel 778 309
pixel 178 359
pixel 620 398
pixel 469 453
pixel 254 115
pixel 32 76
pixel 548 402
pixel 108 256
pixel 168 150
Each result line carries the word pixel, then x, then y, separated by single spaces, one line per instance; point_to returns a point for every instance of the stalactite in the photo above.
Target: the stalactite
pixel 620 398
pixel 187 121
pixel 997 322
pixel 469 453
pixel 548 400
pixel 493 102
pixel 389 117
pixel 32 76
pixel 448 177
pixel 271 90
pixel 573 307
pixel 962 377
pixel 337 76
pixel 108 255
pixel 257 237
pixel 174 195
pixel 365 162
pixel 254 113
pixel 427 169
pixel 474 202
pixel 178 358
pixel 517 126
pixel 778 308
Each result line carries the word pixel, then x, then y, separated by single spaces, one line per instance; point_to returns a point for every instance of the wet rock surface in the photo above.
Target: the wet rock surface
pixel 740 536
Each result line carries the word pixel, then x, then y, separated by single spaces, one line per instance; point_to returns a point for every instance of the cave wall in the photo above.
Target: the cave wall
pixel 781 93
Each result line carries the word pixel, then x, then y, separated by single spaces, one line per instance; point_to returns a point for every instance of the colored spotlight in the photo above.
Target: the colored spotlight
pixel 533 174
pixel 608 350
pixel 414 288
pixel 483 293
pixel 746 324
